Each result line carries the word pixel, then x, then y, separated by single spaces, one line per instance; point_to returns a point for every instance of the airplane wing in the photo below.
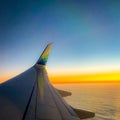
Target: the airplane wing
pixel 30 96
pixel 64 93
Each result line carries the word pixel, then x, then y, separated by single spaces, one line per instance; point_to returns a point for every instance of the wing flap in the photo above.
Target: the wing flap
pixel 83 114
pixel 64 93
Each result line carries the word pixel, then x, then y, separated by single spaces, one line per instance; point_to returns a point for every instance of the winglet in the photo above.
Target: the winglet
pixel 43 58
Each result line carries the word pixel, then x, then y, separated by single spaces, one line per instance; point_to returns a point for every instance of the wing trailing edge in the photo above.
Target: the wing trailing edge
pixel 83 114
pixel 44 56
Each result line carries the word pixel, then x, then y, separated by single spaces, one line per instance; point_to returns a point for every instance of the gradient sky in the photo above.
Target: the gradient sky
pixel 85 35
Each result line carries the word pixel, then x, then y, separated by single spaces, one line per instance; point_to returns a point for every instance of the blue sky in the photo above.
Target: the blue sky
pixel 85 35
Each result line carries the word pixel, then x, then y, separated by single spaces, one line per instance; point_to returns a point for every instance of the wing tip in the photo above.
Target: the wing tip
pixel 44 56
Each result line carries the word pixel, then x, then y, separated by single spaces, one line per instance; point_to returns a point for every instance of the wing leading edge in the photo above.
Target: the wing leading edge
pixel 30 96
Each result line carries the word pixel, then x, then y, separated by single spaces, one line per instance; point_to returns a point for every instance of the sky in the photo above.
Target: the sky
pixel 85 36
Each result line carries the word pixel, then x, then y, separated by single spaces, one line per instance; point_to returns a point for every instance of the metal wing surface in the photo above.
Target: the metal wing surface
pixel 30 96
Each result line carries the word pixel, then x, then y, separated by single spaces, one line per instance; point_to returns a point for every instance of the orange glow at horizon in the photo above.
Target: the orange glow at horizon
pixel 99 77
pixel 75 78
pixel 5 78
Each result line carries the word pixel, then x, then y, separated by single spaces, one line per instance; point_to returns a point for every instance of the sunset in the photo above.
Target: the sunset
pixel 93 78
pixel 72 77
pixel 85 37
pixel 82 40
